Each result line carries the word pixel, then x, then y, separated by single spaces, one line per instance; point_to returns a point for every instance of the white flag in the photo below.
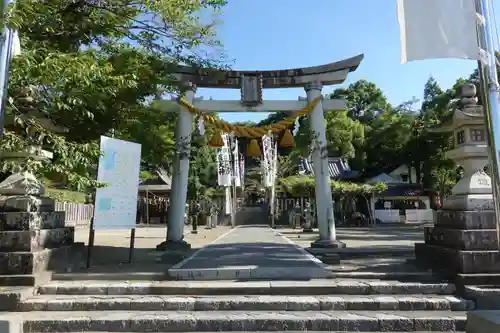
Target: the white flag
pixel 224 164
pixel 236 156
pixel 431 29
pixel 267 151
pixel 16 44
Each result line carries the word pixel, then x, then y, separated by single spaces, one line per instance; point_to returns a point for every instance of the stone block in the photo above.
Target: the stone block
pixel 462 246
pixel 479 239
pixel 27 203
pixel 230 288
pixel 452 261
pixel 330 259
pixel 484 298
pixel 481 279
pixel 27 280
pixel 466 202
pixel 22 183
pixel 466 220
pixel 35 240
pixel 12 263
pixel 328 244
pixel 483 321
pixel 248 321
pixel 31 220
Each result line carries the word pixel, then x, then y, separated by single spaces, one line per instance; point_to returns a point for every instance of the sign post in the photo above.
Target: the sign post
pixel 116 203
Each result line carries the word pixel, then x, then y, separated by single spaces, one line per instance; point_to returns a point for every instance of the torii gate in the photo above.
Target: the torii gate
pixel 251 83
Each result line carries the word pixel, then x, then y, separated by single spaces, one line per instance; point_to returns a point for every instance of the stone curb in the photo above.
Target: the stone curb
pixel 314 287
pixel 117 321
pixel 244 303
pixel 228 273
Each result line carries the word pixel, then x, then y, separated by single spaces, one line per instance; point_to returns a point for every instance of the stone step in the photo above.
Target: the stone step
pixel 406 276
pixel 124 276
pixel 209 321
pixel 311 287
pixel 244 303
pixel 353 253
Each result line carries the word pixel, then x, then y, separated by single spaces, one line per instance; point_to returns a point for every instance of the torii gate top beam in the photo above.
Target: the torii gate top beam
pixel 329 74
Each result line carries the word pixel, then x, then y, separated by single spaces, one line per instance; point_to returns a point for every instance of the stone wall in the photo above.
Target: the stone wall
pixel 33 243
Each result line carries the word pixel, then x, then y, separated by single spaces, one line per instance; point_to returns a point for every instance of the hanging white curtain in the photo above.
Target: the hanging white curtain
pixel 224 172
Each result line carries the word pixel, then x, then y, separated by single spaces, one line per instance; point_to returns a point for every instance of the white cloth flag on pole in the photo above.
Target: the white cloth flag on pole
pixel 275 163
pixel 431 29
pixel 16 44
pixel 267 151
pixel 223 163
pixel 236 156
pixel 241 161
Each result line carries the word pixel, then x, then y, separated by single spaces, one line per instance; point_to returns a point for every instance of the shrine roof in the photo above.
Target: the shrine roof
pixel 338 168
pixel 159 183
pixel 328 74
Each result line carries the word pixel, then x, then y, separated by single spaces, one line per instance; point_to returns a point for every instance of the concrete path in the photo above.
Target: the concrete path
pixel 250 252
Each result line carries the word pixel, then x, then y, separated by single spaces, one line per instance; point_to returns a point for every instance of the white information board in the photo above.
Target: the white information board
pixel 119 166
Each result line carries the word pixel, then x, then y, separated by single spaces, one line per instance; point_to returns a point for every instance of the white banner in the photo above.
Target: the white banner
pixel 119 166
pixel 431 29
pixel 267 160
pixel 228 200
pixel 241 161
pixel 223 163
pixel 236 159
pixel 274 163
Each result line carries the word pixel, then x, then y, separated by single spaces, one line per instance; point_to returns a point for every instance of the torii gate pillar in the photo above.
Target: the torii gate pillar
pixel 180 175
pixel 323 191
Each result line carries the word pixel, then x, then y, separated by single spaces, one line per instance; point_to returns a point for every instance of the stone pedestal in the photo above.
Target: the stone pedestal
pixel 463 243
pixel 33 238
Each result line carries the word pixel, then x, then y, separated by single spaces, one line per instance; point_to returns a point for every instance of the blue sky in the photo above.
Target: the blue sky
pixel 278 34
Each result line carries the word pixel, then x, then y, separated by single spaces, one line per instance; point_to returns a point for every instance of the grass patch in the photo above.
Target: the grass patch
pixel 66 195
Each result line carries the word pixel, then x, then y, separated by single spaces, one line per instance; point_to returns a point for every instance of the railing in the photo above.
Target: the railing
pixel 419 215
pixel 387 215
pixel 77 214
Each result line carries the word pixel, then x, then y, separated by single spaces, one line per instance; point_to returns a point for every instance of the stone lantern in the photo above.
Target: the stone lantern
pixel 462 245
pixel 34 239
pixel 473 191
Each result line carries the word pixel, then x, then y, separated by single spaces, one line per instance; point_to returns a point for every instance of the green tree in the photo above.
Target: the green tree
pixel 92 67
pixel 364 100
pixel 202 168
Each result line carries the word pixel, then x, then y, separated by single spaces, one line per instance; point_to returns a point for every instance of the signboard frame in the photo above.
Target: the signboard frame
pixel 119 168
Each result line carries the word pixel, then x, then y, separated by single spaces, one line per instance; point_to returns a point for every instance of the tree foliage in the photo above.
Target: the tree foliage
pixel 304 186
pixel 92 68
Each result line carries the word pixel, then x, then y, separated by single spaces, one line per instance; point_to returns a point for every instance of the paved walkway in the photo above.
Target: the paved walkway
pixel 386 239
pixel 250 252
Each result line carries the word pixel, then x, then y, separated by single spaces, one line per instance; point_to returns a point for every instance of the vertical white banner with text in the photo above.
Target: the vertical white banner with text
pixel 119 167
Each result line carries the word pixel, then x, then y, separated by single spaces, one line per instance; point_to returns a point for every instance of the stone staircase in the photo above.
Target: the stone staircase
pixel 339 305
